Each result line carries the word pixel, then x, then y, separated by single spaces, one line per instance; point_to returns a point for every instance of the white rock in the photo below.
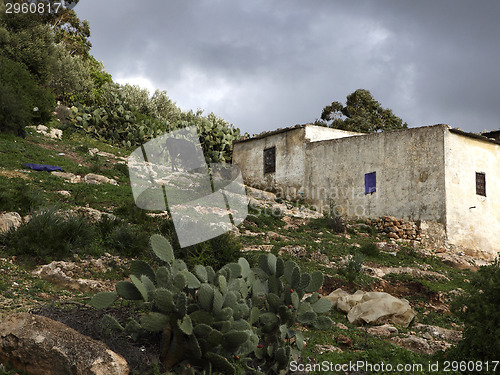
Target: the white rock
pixel 10 220
pixel 93 178
pixel 372 307
pixel 52 133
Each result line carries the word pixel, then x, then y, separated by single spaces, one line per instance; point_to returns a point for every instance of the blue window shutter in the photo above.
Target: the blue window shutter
pixel 370 182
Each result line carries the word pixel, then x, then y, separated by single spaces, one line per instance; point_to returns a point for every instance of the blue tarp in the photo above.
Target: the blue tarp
pixel 370 182
pixel 42 167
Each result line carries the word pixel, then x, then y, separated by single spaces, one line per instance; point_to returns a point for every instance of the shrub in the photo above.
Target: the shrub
pixel 331 219
pixel 20 197
pixel 215 252
pixel 107 224
pixel 133 214
pixel 19 96
pixel 370 250
pixel 352 268
pixel 478 309
pixel 49 235
pixel 235 318
pixel 127 240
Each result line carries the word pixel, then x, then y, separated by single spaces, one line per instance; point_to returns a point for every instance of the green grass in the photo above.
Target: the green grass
pixel 128 237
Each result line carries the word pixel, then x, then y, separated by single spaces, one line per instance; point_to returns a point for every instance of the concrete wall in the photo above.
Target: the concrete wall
pixel 288 180
pixel 409 166
pixel 289 175
pixel 472 221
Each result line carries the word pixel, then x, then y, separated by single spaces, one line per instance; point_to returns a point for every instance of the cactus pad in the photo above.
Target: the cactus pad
pixel 206 296
pixel 103 300
pixel 162 248
pixel 220 363
pixel 315 283
pixel 154 322
pixel 185 325
pixel 127 290
pixel 139 268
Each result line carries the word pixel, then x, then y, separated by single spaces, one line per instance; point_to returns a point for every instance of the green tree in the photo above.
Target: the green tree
pixel 25 39
pixel 71 76
pixel 22 100
pixel 69 30
pixel 361 113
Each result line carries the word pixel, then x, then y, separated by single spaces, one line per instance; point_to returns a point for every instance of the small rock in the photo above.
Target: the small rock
pixel 340 326
pixel 52 133
pixel 343 340
pixel 58 273
pixel 414 343
pixel 68 176
pixel 93 178
pixel 439 333
pixel 64 193
pixel 372 307
pixel 10 220
pixel 385 330
pixel 327 348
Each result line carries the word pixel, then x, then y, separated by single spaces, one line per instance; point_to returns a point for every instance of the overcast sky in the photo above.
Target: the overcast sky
pixel 264 64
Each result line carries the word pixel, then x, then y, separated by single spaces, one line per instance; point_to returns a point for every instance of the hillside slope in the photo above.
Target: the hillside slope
pixel 353 255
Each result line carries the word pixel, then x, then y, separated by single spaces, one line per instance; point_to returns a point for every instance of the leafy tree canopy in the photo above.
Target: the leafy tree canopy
pixel 361 113
pixel 69 30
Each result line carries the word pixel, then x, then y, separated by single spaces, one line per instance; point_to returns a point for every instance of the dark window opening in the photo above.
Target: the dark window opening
pixel 270 160
pixel 481 183
pixel 370 182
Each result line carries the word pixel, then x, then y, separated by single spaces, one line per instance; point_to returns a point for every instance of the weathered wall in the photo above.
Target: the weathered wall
pixel 288 180
pixel 473 221
pixel 289 175
pixel 409 166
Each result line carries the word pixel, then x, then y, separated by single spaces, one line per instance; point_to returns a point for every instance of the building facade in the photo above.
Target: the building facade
pixel 445 178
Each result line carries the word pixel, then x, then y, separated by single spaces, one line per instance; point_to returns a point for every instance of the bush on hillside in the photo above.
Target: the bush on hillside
pixel 478 309
pixel 127 240
pixel 22 101
pixel 48 236
pixel 21 197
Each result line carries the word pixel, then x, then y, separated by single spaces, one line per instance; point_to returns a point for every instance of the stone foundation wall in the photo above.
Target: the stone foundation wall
pixel 397 229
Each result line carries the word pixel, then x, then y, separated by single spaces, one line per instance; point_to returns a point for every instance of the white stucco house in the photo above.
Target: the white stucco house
pixel 445 178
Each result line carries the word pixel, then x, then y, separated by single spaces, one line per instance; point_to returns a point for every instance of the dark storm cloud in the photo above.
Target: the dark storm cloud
pixel 264 64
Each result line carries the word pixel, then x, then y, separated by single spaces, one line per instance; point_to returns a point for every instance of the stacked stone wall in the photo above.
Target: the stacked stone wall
pixel 397 229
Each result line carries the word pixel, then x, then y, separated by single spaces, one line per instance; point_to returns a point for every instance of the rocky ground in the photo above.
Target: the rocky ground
pixel 394 262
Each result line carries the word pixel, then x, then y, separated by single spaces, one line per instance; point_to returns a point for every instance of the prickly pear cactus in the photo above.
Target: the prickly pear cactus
pixel 221 321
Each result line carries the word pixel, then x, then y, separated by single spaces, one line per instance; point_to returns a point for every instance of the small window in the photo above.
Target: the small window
pixel 481 183
pixel 370 182
pixel 270 160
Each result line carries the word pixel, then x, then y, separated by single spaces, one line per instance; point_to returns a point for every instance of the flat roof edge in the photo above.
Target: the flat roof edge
pixel 272 132
pixel 475 136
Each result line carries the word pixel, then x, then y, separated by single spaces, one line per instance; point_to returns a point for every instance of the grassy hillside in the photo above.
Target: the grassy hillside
pixel 347 253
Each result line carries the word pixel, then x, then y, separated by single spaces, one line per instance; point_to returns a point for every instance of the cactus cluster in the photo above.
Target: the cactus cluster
pixel 121 124
pixel 116 123
pixel 237 317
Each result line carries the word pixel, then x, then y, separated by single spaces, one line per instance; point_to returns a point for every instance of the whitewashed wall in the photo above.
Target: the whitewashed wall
pixel 409 166
pixel 289 175
pixel 473 221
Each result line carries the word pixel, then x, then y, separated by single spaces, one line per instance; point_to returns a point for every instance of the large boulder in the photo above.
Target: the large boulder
pixel 41 346
pixel 10 220
pixel 372 307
